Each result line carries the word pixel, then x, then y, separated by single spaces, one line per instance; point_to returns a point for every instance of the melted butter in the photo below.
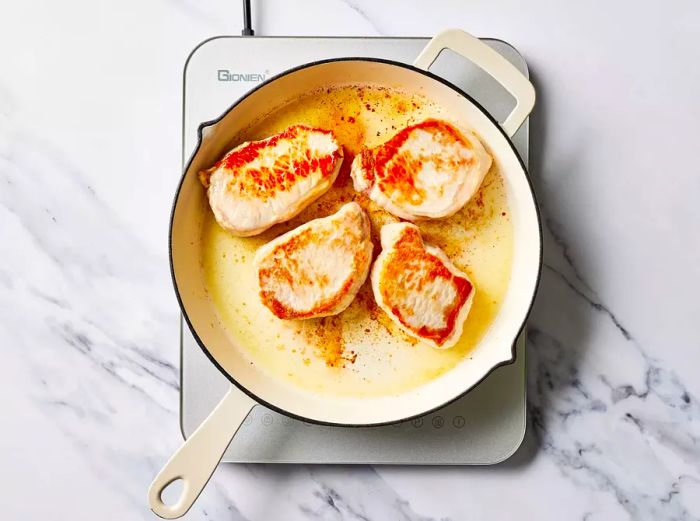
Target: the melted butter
pixel 360 352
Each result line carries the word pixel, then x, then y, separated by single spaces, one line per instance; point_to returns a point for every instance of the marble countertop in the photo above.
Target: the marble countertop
pixel 90 108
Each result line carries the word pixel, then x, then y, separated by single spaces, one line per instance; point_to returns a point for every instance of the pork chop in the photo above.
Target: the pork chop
pixel 426 171
pixel 420 289
pixel 316 269
pixel 262 183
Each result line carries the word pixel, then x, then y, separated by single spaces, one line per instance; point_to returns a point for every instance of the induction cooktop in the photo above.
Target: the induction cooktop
pixel 483 427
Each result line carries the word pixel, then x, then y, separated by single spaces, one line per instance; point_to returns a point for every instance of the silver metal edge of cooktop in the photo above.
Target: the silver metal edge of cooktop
pixel 339 445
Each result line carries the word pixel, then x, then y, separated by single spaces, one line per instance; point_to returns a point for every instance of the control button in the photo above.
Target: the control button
pixel 459 422
pixel 267 419
pixel 417 423
pixel 286 420
pixel 248 419
pixel 438 422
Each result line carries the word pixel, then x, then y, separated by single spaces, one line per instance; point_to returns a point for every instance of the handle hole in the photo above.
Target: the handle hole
pixel 472 79
pixel 172 492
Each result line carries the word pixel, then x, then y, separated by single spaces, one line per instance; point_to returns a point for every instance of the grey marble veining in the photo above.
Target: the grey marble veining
pixel 89 143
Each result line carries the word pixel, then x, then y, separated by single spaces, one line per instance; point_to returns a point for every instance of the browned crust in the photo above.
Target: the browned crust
pixel 394 171
pixel 287 170
pixel 281 265
pixel 410 267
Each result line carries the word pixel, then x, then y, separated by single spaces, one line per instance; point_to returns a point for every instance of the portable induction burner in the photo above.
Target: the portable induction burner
pixel 485 426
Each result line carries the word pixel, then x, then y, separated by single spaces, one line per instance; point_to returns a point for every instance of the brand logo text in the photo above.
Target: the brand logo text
pixel 226 75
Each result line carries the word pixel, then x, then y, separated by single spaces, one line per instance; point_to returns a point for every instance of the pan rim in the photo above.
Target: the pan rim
pixel 201 344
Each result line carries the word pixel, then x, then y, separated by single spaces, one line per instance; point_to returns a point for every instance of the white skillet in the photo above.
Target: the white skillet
pixel 196 460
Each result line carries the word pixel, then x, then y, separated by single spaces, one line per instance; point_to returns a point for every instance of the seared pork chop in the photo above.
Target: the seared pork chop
pixel 316 269
pixel 419 287
pixel 426 171
pixel 262 183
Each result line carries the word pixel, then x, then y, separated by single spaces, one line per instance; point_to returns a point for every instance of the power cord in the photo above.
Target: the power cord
pixel 247 25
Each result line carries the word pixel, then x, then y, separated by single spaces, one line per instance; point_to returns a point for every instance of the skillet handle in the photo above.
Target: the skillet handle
pixel 491 62
pixel 195 461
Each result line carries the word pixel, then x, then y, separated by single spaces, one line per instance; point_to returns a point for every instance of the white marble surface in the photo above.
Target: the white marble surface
pixel 90 96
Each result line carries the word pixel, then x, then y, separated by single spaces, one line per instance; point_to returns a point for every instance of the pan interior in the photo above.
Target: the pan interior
pixel 191 238
pixel 359 352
